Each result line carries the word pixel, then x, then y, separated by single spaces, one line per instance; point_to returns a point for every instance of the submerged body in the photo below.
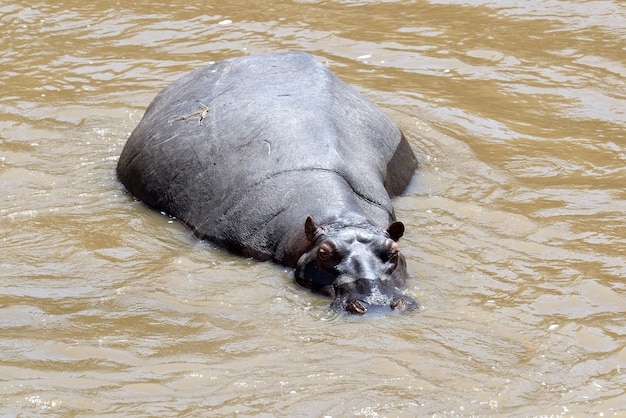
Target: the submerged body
pixel 274 157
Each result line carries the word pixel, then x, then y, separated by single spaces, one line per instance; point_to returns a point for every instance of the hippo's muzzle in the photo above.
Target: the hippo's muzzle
pixel 359 296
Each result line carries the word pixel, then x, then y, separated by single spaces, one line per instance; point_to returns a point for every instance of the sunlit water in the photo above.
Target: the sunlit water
pixel 515 219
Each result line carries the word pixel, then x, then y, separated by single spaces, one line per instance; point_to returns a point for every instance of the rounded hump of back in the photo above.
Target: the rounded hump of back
pixel 231 124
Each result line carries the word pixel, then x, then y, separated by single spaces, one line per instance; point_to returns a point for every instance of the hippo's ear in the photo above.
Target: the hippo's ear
pixel 310 228
pixel 396 230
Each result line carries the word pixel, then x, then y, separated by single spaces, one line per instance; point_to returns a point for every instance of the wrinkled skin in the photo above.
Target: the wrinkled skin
pixel 358 266
pixel 274 157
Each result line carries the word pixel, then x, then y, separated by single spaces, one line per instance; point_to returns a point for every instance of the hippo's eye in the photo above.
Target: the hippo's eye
pixel 326 252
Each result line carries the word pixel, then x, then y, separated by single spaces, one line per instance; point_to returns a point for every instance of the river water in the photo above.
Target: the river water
pixel 515 220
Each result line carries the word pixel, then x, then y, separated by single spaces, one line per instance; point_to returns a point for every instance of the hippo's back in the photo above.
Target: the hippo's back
pixel 211 139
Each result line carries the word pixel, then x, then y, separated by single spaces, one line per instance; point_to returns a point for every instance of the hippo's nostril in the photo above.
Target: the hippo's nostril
pixel 356 307
pixel 398 304
pixel 404 304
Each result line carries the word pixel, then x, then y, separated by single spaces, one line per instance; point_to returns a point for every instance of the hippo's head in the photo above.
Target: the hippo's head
pixel 358 266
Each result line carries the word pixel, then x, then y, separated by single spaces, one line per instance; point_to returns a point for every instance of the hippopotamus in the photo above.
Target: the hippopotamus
pixel 274 157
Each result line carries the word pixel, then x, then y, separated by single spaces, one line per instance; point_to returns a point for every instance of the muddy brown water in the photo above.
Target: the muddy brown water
pixel 515 221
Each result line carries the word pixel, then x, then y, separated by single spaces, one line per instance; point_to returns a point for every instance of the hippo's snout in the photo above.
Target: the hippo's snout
pixel 362 295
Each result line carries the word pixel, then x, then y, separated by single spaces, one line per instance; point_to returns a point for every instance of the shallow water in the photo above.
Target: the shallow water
pixel 515 220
